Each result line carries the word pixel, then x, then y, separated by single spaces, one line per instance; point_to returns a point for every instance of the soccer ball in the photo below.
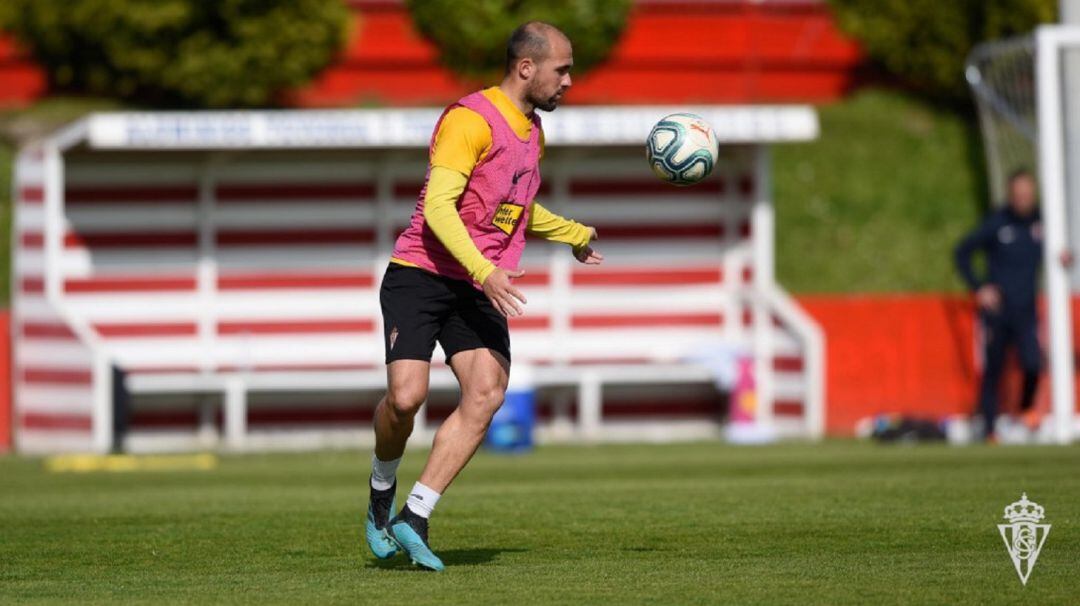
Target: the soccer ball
pixel 682 149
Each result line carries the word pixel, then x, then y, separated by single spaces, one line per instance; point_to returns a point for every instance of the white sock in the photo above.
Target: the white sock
pixel 422 500
pixel 383 473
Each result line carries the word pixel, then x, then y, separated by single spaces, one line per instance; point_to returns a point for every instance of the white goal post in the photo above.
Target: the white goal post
pixel 1026 89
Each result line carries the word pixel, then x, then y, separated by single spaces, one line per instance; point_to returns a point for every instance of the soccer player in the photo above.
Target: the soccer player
pixel 451 278
pixel 1012 241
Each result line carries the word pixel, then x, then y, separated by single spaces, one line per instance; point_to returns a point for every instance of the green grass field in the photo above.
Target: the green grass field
pixel 839 523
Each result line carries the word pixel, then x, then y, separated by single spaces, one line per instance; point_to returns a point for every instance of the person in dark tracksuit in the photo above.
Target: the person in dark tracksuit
pixel 1011 239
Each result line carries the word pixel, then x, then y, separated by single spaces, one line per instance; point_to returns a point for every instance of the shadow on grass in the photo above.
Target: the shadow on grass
pixel 450 557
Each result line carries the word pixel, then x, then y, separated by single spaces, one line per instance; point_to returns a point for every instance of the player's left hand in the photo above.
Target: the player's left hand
pixel 586 254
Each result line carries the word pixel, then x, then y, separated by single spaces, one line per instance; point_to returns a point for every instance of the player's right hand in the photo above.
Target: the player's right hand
pixel 502 293
pixel 988 297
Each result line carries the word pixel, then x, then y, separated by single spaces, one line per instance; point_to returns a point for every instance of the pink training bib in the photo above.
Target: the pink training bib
pixel 495 203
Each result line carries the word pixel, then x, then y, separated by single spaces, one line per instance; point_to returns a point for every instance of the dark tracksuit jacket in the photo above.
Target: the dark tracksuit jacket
pixel 1013 248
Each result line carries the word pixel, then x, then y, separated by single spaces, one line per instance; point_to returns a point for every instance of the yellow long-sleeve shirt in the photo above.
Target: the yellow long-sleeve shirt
pixel 462 141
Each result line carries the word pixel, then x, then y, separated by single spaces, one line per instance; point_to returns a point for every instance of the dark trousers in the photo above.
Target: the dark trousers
pixel 999 331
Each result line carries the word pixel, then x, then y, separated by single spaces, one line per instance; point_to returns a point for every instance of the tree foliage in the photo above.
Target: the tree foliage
pixel 218 53
pixel 471 36
pixel 925 42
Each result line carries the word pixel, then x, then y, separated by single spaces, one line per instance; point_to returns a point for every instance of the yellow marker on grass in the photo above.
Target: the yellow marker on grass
pixel 84 463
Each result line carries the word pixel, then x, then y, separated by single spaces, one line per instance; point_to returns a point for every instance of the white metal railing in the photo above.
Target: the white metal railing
pixel 813 348
pixel 54 228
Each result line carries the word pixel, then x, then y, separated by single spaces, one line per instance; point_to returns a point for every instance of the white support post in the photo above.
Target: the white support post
pixel 385 176
pixel 814 373
pixel 762 224
pixel 102 381
pixel 207 271
pixel 560 288
pixel 384 207
pixel 235 413
pixel 54 226
pixel 1052 178
pixel 590 401
pixel 55 232
pixel 559 273
pixel 1069 96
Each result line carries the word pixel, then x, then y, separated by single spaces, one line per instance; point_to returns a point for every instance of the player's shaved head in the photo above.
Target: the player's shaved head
pixel 538 62
pixel 531 40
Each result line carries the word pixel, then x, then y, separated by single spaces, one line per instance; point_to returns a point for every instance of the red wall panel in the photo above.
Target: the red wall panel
pixel 909 354
pixel 672 52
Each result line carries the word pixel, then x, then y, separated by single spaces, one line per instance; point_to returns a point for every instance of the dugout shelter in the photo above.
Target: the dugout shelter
pixel 212 278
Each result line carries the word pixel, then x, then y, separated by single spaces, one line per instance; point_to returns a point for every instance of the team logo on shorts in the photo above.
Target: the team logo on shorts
pixel 507 216
pixel 393 337
pixel 1023 537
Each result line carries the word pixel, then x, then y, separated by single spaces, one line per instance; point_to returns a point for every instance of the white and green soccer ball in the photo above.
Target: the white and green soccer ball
pixel 682 149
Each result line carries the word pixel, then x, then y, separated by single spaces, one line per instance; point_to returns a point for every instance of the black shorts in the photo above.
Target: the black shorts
pixel 420 307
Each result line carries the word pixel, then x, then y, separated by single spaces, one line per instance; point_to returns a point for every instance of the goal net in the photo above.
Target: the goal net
pixel 1027 92
pixel 1002 79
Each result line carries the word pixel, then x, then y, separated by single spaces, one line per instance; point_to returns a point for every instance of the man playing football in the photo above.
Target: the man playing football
pixel 451 278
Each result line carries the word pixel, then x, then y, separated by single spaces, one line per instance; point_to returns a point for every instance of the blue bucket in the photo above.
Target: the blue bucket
pixel 511 428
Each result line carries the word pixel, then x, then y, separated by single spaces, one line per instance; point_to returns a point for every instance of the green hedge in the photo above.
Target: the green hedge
pixel 925 42
pixel 471 36
pixel 218 53
pixel 877 203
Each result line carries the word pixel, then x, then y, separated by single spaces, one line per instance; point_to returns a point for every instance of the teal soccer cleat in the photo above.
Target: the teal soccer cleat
pixel 410 532
pixel 378 519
